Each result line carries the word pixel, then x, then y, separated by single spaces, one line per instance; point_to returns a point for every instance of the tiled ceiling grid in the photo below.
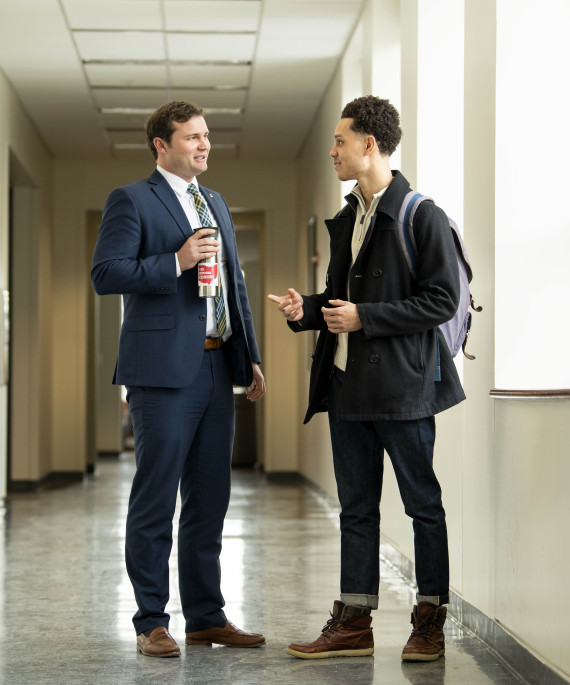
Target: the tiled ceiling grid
pixel 139 54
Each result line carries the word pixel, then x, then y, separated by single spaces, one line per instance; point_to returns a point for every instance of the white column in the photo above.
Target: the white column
pixel 479 233
pixel 382 64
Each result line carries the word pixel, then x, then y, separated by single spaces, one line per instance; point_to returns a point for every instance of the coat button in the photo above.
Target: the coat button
pixel 373 358
pixel 202 317
pixel 377 272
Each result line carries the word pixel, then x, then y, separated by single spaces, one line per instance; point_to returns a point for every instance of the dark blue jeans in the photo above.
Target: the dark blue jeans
pixel 358 453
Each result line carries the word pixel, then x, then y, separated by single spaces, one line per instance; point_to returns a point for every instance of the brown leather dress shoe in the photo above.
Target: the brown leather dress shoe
pixel 427 641
pixel 159 643
pixel 227 635
pixel 346 633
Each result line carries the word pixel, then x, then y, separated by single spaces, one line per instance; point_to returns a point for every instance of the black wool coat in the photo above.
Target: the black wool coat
pixel 392 361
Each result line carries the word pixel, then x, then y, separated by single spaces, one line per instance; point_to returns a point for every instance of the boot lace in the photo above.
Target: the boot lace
pixel 421 627
pixel 425 628
pixel 331 625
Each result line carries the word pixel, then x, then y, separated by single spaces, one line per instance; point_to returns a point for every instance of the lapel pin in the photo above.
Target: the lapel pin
pixel 210 194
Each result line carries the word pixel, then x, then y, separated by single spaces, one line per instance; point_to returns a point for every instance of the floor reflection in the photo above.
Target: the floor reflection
pixel 67 602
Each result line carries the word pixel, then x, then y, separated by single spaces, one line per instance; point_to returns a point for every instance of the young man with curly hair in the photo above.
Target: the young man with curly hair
pixel 381 370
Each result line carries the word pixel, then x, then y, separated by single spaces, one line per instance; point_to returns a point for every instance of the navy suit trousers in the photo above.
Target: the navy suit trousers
pixel 183 436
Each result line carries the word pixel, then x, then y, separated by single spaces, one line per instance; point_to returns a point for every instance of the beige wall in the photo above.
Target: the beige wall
pixel 26 165
pixel 269 186
pixel 83 186
pixel 503 464
pixel 319 196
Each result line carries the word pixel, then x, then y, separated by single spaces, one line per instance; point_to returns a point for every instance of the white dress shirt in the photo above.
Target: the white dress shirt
pixel 361 226
pixel 180 188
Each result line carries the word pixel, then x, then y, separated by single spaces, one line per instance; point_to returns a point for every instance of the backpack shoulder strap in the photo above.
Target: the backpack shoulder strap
pixel 461 250
pixel 405 228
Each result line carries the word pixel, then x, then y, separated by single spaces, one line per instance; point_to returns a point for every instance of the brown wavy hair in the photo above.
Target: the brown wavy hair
pixel 160 123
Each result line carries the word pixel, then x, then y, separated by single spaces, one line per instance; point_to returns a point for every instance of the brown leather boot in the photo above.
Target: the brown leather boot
pixel 427 641
pixel 346 633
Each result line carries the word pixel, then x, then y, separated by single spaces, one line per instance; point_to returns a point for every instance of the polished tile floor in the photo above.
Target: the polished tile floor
pixel 67 603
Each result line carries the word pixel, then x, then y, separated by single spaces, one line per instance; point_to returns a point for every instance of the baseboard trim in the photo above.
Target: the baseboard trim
pixel 109 454
pixel 284 477
pixel 53 481
pixel 515 655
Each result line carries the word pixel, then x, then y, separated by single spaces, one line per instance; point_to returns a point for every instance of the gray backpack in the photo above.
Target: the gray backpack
pixel 456 330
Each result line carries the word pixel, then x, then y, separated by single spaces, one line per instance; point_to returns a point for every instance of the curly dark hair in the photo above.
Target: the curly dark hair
pixel 160 123
pixel 375 117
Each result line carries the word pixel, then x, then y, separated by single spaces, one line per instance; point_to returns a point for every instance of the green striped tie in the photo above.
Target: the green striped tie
pixel 206 221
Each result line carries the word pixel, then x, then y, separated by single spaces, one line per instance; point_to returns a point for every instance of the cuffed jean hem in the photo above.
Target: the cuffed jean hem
pixel 370 601
pixel 438 600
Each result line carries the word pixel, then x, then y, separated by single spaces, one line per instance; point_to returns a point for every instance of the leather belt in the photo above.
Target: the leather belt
pixel 213 343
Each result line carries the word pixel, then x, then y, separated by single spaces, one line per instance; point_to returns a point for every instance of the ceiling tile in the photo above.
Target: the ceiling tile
pixel 131 97
pixel 291 34
pixel 207 15
pixel 138 137
pixel 136 98
pixel 124 121
pixel 119 45
pixel 296 47
pixel 210 46
pixel 113 14
pixel 332 4
pixel 131 75
pixel 224 121
pixel 212 98
pixel 218 155
pixel 209 75
pixel 128 137
pixel 224 137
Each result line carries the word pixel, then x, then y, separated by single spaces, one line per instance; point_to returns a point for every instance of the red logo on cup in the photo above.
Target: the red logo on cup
pixel 207 273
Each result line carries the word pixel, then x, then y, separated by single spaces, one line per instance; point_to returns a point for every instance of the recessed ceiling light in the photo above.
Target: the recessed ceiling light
pixel 170 62
pixel 130 146
pixel 143 146
pixel 145 111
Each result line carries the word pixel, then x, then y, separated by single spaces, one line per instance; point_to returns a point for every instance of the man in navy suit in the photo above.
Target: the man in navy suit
pixel 179 364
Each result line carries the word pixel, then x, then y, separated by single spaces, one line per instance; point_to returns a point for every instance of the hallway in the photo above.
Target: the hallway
pixel 67 603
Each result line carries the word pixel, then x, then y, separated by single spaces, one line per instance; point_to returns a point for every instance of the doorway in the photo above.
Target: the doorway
pixel 16 323
pixel 105 407
pixel 248 442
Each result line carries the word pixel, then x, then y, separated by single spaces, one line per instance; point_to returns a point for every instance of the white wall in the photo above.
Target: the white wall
pixel 431 155
pixel 532 555
pixel 533 237
pixel 531 447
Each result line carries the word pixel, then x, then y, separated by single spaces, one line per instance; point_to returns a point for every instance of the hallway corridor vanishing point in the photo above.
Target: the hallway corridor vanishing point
pixel 67 601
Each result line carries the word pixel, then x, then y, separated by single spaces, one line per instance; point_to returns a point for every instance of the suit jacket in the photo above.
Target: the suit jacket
pixel 164 323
